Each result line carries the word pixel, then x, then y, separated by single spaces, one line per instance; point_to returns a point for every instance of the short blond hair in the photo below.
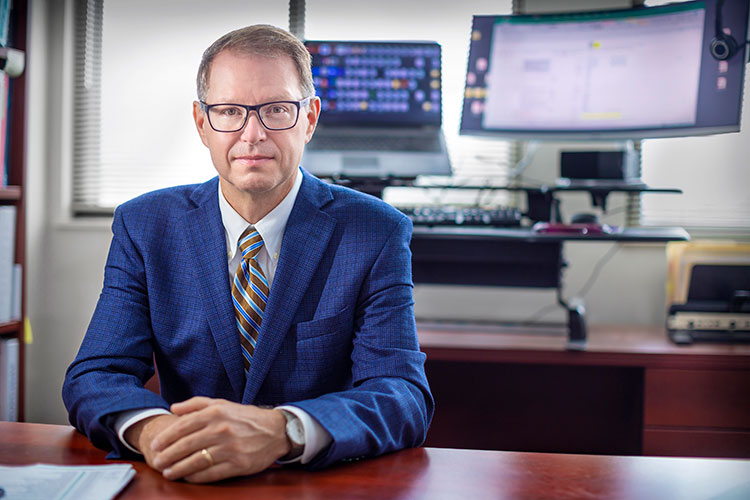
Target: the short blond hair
pixel 262 40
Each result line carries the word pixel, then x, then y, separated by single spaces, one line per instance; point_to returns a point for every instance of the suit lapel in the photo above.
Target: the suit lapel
pixel 305 241
pixel 207 247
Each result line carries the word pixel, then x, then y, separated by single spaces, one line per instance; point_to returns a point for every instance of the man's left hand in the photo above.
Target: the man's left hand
pixel 239 440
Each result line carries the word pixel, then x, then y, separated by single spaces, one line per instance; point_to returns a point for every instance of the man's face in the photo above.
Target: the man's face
pixel 255 160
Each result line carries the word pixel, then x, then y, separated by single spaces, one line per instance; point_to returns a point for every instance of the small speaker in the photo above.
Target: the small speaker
pixel 595 165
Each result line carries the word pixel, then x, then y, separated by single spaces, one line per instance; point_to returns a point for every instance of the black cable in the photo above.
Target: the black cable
pixel 537 315
pixel 544 310
pixel 597 269
pixel 615 211
pixel 717 18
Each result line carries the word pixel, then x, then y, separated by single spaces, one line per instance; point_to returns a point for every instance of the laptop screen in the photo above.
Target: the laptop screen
pixel 377 83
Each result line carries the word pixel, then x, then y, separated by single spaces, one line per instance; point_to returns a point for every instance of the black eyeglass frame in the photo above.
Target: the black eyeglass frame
pixel 205 107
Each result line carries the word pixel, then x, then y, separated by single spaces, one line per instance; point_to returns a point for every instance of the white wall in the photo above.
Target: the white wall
pixel 66 259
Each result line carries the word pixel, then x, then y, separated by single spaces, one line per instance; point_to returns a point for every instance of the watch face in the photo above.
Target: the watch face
pixel 294 431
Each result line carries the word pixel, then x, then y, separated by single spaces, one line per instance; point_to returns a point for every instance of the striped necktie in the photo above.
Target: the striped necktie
pixel 249 293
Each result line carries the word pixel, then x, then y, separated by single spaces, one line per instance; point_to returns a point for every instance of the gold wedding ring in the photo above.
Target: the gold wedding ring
pixel 208 457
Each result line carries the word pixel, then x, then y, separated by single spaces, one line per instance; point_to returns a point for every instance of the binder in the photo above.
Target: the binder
pixel 9 353
pixel 7 246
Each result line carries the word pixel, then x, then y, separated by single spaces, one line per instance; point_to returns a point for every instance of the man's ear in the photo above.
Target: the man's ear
pixel 313 113
pixel 201 122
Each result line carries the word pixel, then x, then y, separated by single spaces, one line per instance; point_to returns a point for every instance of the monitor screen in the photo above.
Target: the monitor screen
pixel 624 74
pixel 377 83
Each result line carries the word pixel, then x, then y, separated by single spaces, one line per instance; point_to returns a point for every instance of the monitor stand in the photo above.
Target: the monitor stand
pixel 576 323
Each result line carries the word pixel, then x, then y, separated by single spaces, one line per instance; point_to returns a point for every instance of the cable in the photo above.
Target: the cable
pixel 615 211
pixel 531 148
pixel 537 315
pixel 597 269
pixel 544 310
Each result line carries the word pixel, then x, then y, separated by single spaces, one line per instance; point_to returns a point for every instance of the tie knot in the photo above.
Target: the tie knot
pixel 250 243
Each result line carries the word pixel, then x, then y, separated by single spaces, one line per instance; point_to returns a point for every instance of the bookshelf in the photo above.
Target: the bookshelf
pixel 12 192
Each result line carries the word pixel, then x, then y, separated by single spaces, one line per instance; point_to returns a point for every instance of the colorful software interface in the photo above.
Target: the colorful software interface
pixel 371 83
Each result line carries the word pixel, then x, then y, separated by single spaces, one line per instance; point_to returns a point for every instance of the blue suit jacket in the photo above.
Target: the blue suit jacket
pixel 338 338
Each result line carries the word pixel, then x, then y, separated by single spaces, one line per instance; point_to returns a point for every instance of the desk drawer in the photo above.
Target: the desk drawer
pixel 690 443
pixel 717 399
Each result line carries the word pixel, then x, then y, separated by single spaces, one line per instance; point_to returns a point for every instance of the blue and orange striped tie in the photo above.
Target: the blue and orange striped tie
pixel 249 293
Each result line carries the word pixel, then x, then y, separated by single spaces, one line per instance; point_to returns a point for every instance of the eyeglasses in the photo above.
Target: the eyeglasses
pixel 276 115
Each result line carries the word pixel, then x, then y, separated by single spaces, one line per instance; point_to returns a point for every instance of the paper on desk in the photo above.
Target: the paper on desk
pixel 64 482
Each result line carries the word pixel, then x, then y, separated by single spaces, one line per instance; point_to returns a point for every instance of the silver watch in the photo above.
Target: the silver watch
pixel 296 435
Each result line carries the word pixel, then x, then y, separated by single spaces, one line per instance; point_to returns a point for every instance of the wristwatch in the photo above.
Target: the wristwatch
pixel 296 435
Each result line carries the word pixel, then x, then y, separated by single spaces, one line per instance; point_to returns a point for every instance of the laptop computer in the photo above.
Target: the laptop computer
pixel 381 110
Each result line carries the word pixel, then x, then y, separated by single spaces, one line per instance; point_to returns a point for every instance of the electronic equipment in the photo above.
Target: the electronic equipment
pixel 583 168
pixel 715 310
pixel 723 46
pixel 443 215
pixel 618 74
pixel 574 228
pixel 584 218
pixel 381 110
pixel 708 288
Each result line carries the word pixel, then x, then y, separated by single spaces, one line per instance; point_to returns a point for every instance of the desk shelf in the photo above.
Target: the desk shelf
pixel 11 328
pixel 625 235
pixel 10 193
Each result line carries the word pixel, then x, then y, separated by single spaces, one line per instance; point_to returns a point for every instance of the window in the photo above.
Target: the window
pixel 713 173
pixel 134 129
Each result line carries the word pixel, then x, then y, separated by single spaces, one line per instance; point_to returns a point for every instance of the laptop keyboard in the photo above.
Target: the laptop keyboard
pixel 346 143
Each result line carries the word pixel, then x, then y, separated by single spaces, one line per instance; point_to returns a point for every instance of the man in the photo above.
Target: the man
pixel 278 308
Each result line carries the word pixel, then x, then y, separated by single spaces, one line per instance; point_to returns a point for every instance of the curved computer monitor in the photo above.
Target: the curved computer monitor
pixel 618 74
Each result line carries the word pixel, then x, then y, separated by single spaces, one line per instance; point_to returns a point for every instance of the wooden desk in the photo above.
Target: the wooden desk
pixel 423 473
pixel 631 392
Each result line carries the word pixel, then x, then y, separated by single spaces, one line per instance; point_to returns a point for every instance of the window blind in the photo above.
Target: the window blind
pixel 713 173
pixel 136 62
pixel 87 104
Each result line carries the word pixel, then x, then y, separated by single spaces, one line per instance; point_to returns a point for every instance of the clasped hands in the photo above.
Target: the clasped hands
pixel 237 439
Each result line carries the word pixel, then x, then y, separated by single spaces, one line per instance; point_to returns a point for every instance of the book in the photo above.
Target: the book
pixel 4 21
pixel 9 365
pixel 16 293
pixel 7 247
pixel 4 102
pixel 4 92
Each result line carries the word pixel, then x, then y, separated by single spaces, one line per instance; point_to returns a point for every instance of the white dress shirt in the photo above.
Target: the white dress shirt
pixel 271 228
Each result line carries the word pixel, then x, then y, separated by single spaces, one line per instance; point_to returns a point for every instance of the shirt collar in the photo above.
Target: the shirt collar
pixel 271 227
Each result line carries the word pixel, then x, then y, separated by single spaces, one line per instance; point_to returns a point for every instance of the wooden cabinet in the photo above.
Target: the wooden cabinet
pixel 631 392
pixel 13 193
pixel 688 412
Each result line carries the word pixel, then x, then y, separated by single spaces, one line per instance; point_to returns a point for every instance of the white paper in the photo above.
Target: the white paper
pixel 63 482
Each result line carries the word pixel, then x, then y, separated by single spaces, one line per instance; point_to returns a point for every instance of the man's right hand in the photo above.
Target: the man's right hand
pixel 141 434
